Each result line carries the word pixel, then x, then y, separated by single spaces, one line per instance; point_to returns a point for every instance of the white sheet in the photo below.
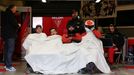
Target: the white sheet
pixel 52 57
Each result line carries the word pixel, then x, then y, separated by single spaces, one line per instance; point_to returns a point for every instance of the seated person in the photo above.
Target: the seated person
pixel 90 24
pixel 117 37
pixel 96 35
pixel 53 31
pixel 38 36
pixel 118 41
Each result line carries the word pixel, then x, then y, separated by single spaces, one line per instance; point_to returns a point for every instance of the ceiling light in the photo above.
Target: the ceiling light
pixel 97 1
pixel 44 1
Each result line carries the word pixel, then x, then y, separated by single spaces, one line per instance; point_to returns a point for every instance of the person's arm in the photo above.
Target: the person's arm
pixel 66 39
pixel 97 34
pixel 12 20
pixel 77 38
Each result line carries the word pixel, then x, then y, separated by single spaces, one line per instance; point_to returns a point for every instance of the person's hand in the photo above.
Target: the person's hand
pixel 70 38
pixel 116 49
pixel 19 25
pixel 78 26
pixel 71 28
pixel 114 45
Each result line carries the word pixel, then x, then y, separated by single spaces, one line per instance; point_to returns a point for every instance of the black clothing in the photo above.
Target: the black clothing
pixel 117 37
pixel 78 26
pixel 9 25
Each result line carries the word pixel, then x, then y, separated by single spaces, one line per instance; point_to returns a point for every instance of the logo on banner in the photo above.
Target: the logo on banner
pixel 57 20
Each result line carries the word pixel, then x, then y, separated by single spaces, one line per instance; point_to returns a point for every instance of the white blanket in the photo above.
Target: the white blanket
pixel 50 56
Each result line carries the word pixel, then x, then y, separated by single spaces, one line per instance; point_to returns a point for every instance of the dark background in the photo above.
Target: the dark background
pixel 65 7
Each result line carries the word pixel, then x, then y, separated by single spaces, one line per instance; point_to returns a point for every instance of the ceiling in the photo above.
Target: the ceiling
pixel 60 7
pixel 55 7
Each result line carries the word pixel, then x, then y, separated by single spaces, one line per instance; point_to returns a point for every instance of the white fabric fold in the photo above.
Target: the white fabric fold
pixel 51 56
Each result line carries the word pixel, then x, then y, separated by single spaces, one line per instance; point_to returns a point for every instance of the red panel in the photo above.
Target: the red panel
pixel 58 23
pixel 130 41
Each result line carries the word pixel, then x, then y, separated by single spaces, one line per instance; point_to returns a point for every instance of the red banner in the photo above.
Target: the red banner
pixel 59 23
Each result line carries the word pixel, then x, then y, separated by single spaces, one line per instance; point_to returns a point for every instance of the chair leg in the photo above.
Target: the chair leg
pixel 118 59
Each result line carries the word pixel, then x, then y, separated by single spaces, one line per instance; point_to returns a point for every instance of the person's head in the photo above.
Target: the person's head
pixel 38 29
pixel 89 24
pixel 53 31
pixel 111 28
pixel 74 14
pixel 12 8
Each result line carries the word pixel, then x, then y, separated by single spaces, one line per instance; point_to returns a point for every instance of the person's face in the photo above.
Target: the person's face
pixel 112 29
pixel 74 15
pixel 14 9
pixel 53 32
pixel 38 30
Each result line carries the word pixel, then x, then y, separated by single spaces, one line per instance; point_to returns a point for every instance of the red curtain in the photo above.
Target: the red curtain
pixel 59 23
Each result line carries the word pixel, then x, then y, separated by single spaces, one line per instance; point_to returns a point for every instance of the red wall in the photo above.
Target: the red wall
pixel 58 23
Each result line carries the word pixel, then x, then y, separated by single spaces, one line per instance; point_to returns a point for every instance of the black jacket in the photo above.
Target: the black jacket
pixel 117 37
pixel 78 26
pixel 9 25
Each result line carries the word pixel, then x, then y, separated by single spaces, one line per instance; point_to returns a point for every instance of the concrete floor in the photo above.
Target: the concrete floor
pixel 21 70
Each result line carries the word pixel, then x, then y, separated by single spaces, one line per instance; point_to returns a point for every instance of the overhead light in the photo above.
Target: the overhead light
pixel 97 1
pixel 44 1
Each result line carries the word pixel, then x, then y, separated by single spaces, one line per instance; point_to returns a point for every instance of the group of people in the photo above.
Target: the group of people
pixel 77 51
pixel 80 50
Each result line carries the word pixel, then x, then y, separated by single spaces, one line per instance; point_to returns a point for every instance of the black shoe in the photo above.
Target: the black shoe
pixel 82 71
pixel 90 68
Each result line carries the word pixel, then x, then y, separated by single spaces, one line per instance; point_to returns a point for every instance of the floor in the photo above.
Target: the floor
pixel 21 70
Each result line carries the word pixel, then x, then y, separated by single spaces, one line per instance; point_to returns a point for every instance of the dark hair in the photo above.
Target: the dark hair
pixel 111 25
pixel 38 26
pixel 115 29
pixel 10 7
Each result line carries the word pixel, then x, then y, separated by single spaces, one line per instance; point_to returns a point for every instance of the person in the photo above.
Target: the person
pixel 75 27
pixel 9 34
pixel 117 37
pixel 90 24
pixel 95 42
pixel 118 41
pixel 75 23
pixel 53 31
pixel 33 38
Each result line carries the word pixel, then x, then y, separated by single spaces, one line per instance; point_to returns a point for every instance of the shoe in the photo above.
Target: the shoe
pixel 82 71
pixel 11 69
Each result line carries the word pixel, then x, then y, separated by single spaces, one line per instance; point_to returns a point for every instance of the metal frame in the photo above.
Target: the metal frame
pixel 26 9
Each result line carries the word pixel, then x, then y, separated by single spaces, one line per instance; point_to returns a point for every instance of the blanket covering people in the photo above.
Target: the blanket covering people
pixel 49 55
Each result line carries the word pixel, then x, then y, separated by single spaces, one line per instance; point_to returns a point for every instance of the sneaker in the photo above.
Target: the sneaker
pixel 11 69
